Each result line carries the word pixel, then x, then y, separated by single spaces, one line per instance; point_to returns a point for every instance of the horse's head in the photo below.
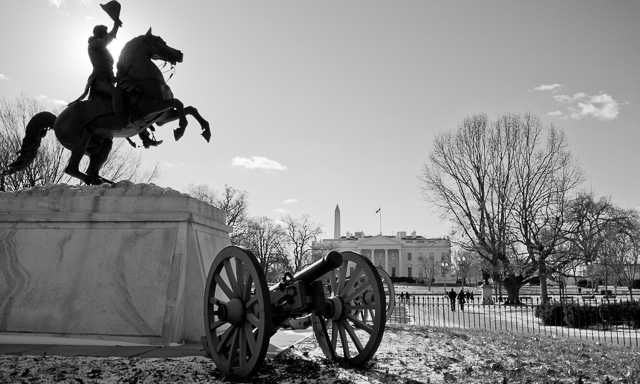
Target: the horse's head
pixel 159 50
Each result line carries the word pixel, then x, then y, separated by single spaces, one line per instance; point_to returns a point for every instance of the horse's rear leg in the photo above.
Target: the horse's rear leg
pixel 97 157
pixel 77 151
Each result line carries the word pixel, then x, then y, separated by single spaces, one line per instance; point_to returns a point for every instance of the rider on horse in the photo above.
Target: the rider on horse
pixel 102 79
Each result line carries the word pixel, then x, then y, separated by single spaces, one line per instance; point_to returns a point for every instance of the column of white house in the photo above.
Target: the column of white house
pixel 386 260
pixel 400 264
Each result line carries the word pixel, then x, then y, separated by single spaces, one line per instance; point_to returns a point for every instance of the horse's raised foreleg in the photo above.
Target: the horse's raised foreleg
pixel 174 115
pixel 172 107
pixel 206 132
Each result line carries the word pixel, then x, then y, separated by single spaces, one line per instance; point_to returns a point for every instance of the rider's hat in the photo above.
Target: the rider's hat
pixel 113 10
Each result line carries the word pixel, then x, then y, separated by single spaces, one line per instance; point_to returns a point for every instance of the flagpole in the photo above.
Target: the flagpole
pixel 380 210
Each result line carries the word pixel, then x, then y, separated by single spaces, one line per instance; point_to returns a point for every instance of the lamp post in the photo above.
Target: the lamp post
pixel 459 262
pixel 445 266
pixel 591 276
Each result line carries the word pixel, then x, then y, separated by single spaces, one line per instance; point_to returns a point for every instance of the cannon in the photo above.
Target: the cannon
pixel 342 293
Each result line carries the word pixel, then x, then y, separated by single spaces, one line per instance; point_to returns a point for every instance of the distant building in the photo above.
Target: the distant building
pixel 401 255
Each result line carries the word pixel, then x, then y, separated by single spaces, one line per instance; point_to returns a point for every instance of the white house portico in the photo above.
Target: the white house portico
pixel 383 252
pixel 400 255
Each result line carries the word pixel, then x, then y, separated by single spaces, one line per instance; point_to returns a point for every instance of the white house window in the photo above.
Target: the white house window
pixel 409 256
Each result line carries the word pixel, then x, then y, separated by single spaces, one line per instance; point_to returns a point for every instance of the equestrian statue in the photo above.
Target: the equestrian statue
pixel 119 106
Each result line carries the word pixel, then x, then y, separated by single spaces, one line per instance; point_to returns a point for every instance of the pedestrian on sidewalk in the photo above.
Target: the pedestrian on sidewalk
pixel 452 299
pixel 461 300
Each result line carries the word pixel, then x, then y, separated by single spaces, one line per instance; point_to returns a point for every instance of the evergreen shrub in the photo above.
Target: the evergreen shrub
pixel 578 316
pixel 550 314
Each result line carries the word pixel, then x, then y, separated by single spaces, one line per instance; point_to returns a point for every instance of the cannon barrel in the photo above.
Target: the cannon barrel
pixel 328 263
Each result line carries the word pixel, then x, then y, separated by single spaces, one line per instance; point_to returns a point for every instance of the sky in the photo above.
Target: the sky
pixel 319 103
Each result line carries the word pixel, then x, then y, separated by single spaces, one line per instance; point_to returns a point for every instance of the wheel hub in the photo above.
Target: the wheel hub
pixel 232 312
pixel 333 308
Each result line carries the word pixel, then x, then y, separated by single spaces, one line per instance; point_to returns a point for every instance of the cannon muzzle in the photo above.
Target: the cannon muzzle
pixel 329 262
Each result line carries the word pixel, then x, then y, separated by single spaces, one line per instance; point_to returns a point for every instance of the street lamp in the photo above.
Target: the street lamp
pixel 459 261
pixel 445 265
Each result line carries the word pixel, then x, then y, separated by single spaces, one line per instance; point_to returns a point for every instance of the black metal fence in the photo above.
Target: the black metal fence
pixel 599 319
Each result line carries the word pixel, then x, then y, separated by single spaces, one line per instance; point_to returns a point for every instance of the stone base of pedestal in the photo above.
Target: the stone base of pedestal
pixel 487 291
pixel 123 262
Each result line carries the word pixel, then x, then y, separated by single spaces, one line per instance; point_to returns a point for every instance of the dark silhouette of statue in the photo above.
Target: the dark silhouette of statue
pixel 88 127
pixel 102 80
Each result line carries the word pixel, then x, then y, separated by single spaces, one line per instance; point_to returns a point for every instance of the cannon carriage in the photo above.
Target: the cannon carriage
pixel 342 295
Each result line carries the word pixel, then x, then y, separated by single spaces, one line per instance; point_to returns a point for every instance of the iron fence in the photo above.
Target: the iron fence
pixel 600 319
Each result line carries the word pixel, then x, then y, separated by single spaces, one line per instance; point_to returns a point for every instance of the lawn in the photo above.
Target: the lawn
pixel 407 354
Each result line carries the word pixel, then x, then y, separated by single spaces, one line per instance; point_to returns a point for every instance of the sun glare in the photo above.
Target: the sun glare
pixel 115 47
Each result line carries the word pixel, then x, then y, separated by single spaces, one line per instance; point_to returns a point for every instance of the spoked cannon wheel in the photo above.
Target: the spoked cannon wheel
pixel 389 291
pixel 237 312
pixel 350 325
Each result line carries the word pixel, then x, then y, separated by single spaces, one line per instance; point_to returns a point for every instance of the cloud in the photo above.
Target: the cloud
pixel 547 87
pixel 581 105
pixel 56 102
pixel 258 162
pixel 4 77
pixel 602 107
pixel 290 201
pixel 57 3
pixel 570 99
pixel 280 211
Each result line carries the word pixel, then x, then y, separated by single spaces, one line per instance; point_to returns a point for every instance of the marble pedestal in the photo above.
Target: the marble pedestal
pixel 487 292
pixel 123 262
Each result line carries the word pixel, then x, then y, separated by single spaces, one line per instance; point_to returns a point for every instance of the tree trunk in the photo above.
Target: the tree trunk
pixel 542 273
pixel 512 284
pixel 544 292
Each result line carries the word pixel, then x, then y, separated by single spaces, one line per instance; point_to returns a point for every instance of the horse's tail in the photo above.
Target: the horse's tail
pixel 36 129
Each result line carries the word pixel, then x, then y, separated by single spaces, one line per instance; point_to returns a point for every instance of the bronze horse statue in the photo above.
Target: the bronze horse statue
pixel 88 127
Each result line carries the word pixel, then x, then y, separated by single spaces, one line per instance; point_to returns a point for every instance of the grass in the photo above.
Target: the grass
pixel 407 355
pixel 439 355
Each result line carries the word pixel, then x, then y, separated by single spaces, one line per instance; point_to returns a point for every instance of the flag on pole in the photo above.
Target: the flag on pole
pixel 378 210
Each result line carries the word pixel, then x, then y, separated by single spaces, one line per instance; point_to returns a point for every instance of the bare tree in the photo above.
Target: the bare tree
pixel 52 158
pixel 468 179
pixel 501 187
pixel 266 239
pixel 427 270
pixel 300 234
pixel 48 167
pixel 233 202
pixel 320 248
pixel 620 254
pixel 545 174
pixel 594 226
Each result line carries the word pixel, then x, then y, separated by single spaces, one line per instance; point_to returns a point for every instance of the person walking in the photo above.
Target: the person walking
pixel 452 299
pixel 461 299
